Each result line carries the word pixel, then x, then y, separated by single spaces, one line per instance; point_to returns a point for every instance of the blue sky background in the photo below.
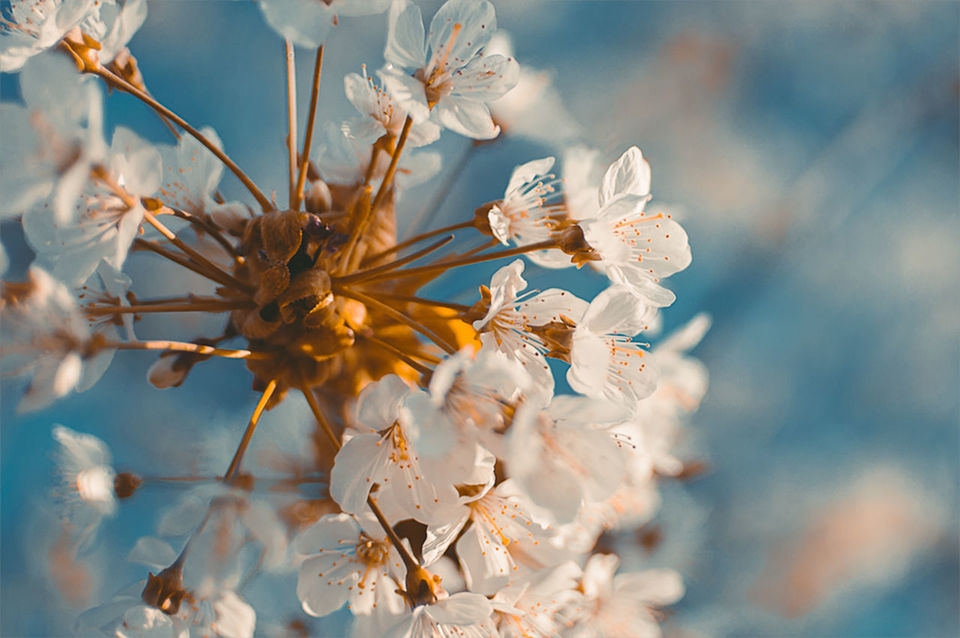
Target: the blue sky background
pixel 812 151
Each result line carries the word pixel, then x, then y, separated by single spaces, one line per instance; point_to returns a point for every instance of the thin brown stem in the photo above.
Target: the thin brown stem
pixel 431 209
pixel 291 119
pixel 209 306
pixel 360 225
pixel 206 226
pixel 224 277
pixel 408 560
pixel 248 433
pixel 397 263
pixel 308 137
pixel 177 259
pixel 466 261
pixel 459 307
pixel 369 301
pixel 183 346
pixel 400 354
pixel 119 82
pixel 318 414
pixel 418 238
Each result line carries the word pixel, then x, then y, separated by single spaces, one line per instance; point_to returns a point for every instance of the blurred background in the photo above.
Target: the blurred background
pixel 811 151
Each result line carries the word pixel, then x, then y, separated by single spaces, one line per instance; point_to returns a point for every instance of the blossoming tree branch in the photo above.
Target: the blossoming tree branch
pixel 453 492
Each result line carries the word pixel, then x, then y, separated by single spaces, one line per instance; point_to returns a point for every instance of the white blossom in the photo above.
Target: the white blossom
pixel 636 248
pixel 348 560
pixel 44 336
pixel 37 25
pixel 531 210
pixel 511 321
pixel 463 614
pixel 657 424
pixel 501 535
pixel 385 455
pixel 380 114
pixel 604 361
pixel 453 84
pixel 536 605
pixel 113 24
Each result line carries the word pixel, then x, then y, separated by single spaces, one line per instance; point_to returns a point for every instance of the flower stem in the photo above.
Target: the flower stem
pixel 291 119
pixel 248 433
pixel 408 560
pixel 360 225
pixel 400 354
pixel 183 346
pixel 418 238
pixel 226 277
pixel 152 103
pixel 308 137
pixel 396 314
pixel 218 305
pixel 180 261
pixel 466 261
pixel 393 265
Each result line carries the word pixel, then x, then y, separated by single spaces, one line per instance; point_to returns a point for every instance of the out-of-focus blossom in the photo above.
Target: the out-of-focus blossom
pixel 86 481
pixel 51 143
pixel 533 108
pixel 104 223
pixel 564 455
pixel 307 23
pixel 626 604
pixel 343 159
pixel 37 25
pixel 44 336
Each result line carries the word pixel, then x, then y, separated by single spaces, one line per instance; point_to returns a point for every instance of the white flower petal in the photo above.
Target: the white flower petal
pixel 405 41
pixel 485 78
pixel 458 30
pixel 307 23
pixel 467 117
pixel 630 174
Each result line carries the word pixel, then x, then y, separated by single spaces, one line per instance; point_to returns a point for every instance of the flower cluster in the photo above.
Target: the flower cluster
pixel 445 488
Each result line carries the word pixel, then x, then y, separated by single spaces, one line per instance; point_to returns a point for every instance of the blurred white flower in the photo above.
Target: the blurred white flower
pixel 564 455
pixel 44 335
pixel 103 225
pixel 533 108
pixel 33 26
pixel 307 23
pixel 50 143
pixel 624 605
pixel 86 481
